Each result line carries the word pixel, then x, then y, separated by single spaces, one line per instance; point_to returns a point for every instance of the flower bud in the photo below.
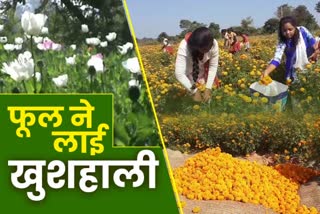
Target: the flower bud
pixel 40 64
pixel 91 70
pixel 15 90
pixel 134 93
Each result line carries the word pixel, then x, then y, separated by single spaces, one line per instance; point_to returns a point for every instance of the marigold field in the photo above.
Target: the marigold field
pixel 239 123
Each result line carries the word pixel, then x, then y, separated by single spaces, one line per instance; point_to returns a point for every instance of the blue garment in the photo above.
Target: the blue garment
pixel 290 52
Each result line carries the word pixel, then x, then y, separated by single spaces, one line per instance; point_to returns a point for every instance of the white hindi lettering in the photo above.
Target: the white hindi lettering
pixel 36 172
pixel 52 174
pixel 32 173
pixel 152 163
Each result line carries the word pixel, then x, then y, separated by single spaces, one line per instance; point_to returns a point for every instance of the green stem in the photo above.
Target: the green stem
pixel 102 82
pixel 24 86
pixel 34 70
pixel 43 78
pixel 91 83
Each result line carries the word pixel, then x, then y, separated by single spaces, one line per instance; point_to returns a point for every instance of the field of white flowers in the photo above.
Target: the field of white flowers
pixel 33 62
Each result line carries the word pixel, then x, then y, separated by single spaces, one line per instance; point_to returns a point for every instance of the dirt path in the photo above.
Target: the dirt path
pixel 309 193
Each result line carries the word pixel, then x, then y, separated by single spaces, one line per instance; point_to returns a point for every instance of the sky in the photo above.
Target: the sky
pixel 151 17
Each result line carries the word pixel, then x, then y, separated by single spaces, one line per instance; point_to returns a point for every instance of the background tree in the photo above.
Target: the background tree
pixel 188 26
pixel 246 23
pixel 304 17
pixel 270 26
pixel 161 36
pixel 215 29
pixel 317 8
pixel 284 10
pixel 184 24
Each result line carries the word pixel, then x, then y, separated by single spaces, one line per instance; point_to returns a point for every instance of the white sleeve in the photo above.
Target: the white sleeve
pixel 181 65
pixel 213 65
pixel 181 71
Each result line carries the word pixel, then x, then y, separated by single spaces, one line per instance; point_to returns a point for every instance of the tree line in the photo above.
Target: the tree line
pixel 301 13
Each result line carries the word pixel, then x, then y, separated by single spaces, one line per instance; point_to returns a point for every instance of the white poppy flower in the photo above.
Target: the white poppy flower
pixel 71 60
pixel 73 47
pixel 18 40
pixel 47 39
pixel 84 28
pixel 97 62
pixel 132 65
pixel 3 39
pixel 124 48
pixel 1 27
pixel 56 47
pixel 33 23
pixel 111 36
pixel 8 47
pixel 134 82
pixel 104 44
pixel 93 41
pixel 61 80
pixel 44 30
pixel 38 76
pixel 37 39
pixel 129 45
pixel 18 46
pixel 41 47
pixel 21 68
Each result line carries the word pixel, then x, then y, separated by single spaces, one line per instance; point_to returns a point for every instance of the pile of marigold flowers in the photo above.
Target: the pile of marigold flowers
pixel 297 173
pixel 214 175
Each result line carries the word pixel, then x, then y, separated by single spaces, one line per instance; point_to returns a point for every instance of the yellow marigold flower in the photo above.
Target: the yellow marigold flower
pixel 276 106
pixel 196 209
pixel 190 196
pixel 196 107
pixel 248 100
pixel 264 100
pixel 243 56
pixel 183 204
pixel 256 94
pixel 302 90
pixel 308 66
pixel 266 80
pixel 309 98
pixel 288 81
